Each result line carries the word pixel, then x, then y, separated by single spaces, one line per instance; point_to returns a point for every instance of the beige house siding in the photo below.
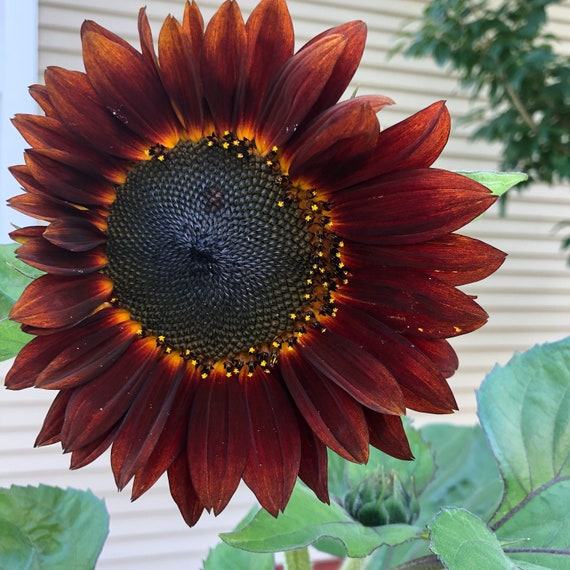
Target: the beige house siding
pixel 528 299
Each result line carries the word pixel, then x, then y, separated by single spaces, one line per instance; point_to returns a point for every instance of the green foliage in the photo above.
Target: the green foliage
pixel 500 49
pixel 14 277
pixel 495 497
pixel 45 528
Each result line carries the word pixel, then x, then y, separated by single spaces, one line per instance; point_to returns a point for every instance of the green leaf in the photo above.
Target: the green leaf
pixel 466 476
pixel 49 528
pixel 307 520
pixel 225 556
pixel 524 408
pixel 497 182
pixel 462 541
pixel 419 472
pixel 14 277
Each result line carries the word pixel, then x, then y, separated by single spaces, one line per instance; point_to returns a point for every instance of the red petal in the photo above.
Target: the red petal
pixel 274 445
pixel 222 63
pixel 53 423
pixel 415 142
pixel 387 434
pixel 414 303
pixel 271 42
pixel 27 233
pixel 193 25
pixel 49 133
pixel 43 255
pixel 52 301
pixel 340 138
pixel 440 352
pixel 217 439
pixel 435 202
pixel 146 418
pixel 85 455
pixel 295 91
pixel 80 109
pixel 128 86
pixel 347 364
pixel 411 368
pixel 182 491
pixel 41 207
pixel 173 439
pixel 452 258
pixel 93 350
pixel 335 417
pixel 314 463
pixel 40 95
pixel 180 73
pixel 346 65
pixel 74 234
pixel 97 407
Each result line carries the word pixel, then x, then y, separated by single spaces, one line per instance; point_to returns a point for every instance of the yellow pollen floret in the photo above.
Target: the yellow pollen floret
pixel 251 350
pixel 160 157
pixel 281 203
pixel 226 145
pixel 293 315
pixel 274 148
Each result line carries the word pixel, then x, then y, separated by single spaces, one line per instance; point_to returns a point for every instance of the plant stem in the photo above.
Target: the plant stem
pixel 355 563
pixel 297 559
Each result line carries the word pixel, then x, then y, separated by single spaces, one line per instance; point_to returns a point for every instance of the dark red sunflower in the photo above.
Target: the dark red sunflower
pixel 239 270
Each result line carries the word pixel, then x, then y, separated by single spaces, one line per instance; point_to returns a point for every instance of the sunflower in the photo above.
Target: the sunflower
pixel 240 271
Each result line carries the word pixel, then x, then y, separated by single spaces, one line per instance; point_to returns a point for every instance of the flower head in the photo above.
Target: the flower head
pixel 239 270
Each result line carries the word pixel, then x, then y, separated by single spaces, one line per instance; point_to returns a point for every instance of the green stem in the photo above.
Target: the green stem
pixel 297 559
pixel 355 563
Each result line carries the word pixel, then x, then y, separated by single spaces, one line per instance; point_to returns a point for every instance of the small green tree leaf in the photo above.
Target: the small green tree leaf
pixel 497 182
pixel 462 541
pixel 524 409
pixel 49 528
pixel 14 277
pixel 307 520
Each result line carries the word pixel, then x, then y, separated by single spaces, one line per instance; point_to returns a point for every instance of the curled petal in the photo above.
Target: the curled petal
pixel 41 207
pixel 415 142
pixel 339 139
pixel 52 301
pixel 440 352
pixel 193 25
pixel 314 462
pixel 40 95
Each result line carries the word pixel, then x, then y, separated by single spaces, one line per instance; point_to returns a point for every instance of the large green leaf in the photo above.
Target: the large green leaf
pixel 466 476
pixel 45 528
pixel 462 541
pixel 14 277
pixel 225 556
pixel 524 409
pixel 307 520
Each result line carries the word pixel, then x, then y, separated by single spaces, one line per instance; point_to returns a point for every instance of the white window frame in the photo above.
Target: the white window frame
pixel 18 70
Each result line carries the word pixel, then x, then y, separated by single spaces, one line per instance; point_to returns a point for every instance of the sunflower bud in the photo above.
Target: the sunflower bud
pixel 381 499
